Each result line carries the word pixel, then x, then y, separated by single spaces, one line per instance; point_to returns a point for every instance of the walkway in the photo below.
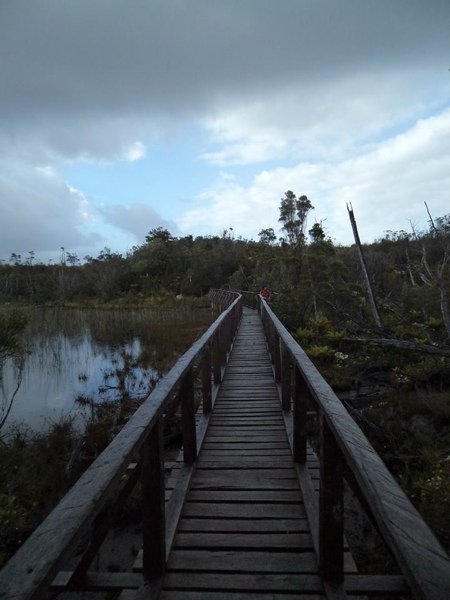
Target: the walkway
pixel 243 531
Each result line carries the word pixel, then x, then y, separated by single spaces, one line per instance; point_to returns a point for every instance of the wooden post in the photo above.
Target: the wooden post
pixel 299 418
pixel 223 344
pixel 277 355
pixel 206 379
pixel 216 358
pixel 286 379
pixel 331 507
pixel 188 417
pixel 271 341
pixel 153 503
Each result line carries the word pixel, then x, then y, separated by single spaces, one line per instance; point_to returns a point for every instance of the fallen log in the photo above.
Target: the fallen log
pixel 402 345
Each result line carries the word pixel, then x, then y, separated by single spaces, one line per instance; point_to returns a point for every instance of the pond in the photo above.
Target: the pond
pixel 81 356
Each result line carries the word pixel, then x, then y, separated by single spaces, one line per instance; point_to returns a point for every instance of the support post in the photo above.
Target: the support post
pixel 216 358
pixel 188 417
pixel 277 355
pixel 299 418
pixel 206 379
pixel 286 379
pixel 331 507
pixel 153 504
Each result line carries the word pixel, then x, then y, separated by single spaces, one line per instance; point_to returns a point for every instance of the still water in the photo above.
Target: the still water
pixel 95 354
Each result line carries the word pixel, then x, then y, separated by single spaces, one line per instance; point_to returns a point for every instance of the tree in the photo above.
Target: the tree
pixel 72 259
pixel 267 236
pixel 293 214
pixel 159 233
pixel 317 233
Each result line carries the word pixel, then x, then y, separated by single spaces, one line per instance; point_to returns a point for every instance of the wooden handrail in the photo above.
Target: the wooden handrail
pixel 32 569
pixel 419 555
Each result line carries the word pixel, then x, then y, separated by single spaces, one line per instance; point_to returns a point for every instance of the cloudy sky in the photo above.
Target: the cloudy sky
pixel 117 117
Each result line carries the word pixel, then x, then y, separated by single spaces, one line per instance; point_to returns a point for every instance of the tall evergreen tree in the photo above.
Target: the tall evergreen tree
pixel 293 214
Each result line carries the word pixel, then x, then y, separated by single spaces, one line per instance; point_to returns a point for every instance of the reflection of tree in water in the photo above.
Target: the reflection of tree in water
pixel 12 351
pixel 107 355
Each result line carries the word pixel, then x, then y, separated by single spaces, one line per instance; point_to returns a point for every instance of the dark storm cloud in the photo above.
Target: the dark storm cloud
pixel 101 80
pixel 180 56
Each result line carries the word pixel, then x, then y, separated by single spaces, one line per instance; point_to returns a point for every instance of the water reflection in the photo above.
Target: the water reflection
pixel 94 354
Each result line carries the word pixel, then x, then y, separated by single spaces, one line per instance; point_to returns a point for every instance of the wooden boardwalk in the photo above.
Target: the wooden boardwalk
pixel 243 531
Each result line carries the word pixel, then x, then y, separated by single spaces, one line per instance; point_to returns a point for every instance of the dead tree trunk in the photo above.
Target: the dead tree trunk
pixel 373 303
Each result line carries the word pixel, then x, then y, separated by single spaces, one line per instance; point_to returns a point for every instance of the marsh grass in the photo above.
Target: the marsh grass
pixel 104 353
pixel 38 468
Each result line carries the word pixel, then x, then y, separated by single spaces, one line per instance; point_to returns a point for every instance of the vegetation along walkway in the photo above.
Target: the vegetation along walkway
pixel 244 529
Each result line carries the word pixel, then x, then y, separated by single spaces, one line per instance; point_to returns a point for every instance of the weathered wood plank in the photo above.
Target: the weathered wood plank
pixel 246 446
pixel 244 511
pixel 235 525
pixel 240 595
pixel 259 496
pixel 246 585
pixel 241 473
pixel 256 484
pixel 236 561
pixel 260 582
pixel 259 452
pixel 242 464
pixel 242 541
pixel 241 458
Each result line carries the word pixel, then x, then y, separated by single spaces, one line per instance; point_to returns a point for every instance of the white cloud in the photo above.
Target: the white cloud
pixel 330 120
pixel 386 186
pixel 135 152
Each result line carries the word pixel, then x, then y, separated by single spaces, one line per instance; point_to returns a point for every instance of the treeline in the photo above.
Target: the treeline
pixel 162 264
pixel 309 276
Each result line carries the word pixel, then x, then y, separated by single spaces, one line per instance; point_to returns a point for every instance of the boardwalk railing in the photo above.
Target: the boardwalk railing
pixel 89 508
pixel 345 450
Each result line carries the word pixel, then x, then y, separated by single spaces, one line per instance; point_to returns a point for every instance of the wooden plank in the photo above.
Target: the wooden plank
pixel 244 511
pixel 256 484
pixel 248 473
pixel 242 458
pixel 242 496
pixel 204 586
pixel 240 595
pixel 261 424
pixel 250 582
pixel 236 561
pixel 204 465
pixel 258 525
pixel 259 452
pixel 243 541
pixel 244 446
